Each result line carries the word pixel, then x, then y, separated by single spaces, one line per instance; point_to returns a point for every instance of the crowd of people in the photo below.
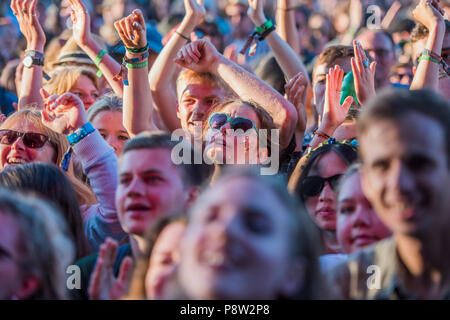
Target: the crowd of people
pixel 229 149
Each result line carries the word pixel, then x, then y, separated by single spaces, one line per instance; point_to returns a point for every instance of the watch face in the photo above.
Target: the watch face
pixel 28 61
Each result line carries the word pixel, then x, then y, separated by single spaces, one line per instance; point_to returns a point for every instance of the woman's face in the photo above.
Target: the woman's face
pixel 322 207
pixel 163 263
pixel 17 153
pixel 237 244
pixel 234 147
pixel 86 90
pixel 358 225
pixel 110 126
pixel 10 276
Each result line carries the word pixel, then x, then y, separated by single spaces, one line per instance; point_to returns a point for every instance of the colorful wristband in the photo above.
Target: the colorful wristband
pixel 138 50
pixel 79 134
pixel 137 65
pixel 428 58
pixel 322 134
pixel 97 61
pixel 137 59
pixel 264 27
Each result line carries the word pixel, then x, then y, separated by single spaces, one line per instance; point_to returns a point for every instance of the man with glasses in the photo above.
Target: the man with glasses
pixel 381 48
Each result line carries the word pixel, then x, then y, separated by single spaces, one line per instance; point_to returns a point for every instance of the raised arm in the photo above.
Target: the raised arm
pixel 163 72
pixel 202 56
pixel 431 15
pixel 137 98
pixel 83 37
pixel 286 28
pixel 286 57
pixel 26 14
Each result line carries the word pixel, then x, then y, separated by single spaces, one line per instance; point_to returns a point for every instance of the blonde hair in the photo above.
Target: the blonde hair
pixel 59 143
pixel 64 78
pixel 187 75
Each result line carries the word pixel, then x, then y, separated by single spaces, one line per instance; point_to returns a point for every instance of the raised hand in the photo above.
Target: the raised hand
pixel 27 15
pixel 63 114
pixel 81 22
pixel 103 284
pixel 429 13
pixel 256 11
pixel 363 73
pixel 200 56
pixel 132 30
pixel 195 9
pixel 334 113
pixel 295 90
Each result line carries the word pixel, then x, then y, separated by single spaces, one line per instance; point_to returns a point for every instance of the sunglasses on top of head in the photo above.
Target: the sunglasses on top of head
pixel 30 139
pixel 218 119
pixel 313 185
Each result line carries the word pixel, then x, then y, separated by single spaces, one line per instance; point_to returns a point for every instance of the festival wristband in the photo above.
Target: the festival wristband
pixel 137 59
pixel 428 58
pixel 98 60
pixel 137 65
pixel 264 27
pixel 79 134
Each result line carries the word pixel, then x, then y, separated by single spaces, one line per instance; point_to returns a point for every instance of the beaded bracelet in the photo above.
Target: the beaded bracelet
pixel 138 50
pixel 322 134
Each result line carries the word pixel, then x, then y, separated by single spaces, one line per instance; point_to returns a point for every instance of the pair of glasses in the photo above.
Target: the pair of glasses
pixel 218 120
pixel 313 185
pixel 30 139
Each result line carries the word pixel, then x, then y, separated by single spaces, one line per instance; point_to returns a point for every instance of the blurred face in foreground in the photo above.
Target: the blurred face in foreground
pixel 237 244
pixel 405 173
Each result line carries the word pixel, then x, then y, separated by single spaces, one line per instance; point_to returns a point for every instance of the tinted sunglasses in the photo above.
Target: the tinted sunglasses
pixel 30 139
pixel 313 185
pixel 218 120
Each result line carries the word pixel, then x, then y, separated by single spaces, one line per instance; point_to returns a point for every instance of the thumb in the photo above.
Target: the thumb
pixel 44 94
pixel 373 66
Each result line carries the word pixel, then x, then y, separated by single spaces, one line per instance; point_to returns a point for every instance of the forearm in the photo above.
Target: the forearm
pixel 162 85
pixel 137 102
pixel 29 92
pixel 108 66
pixel 286 28
pixel 427 74
pixel 248 87
pixel 287 58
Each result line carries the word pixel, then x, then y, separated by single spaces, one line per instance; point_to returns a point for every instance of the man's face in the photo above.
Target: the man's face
pixel 319 81
pixel 194 101
pixel 405 173
pixel 150 186
pixel 381 50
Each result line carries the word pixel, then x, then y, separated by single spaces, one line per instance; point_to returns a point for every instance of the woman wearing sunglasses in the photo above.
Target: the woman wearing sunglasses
pixel 315 183
pixel 232 133
pixel 33 136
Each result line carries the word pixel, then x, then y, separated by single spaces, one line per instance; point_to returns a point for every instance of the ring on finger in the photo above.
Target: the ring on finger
pixel 23 11
pixel 366 63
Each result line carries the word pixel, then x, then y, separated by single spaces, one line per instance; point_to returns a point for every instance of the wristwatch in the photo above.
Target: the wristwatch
pixel 33 58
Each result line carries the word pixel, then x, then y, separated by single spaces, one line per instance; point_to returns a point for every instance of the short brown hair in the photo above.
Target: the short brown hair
pixel 395 104
pixel 192 174
pixel 421 32
pixel 187 75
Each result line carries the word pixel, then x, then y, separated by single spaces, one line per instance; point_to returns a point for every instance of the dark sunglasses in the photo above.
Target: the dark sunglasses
pixel 313 185
pixel 30 139
pixel 218 120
